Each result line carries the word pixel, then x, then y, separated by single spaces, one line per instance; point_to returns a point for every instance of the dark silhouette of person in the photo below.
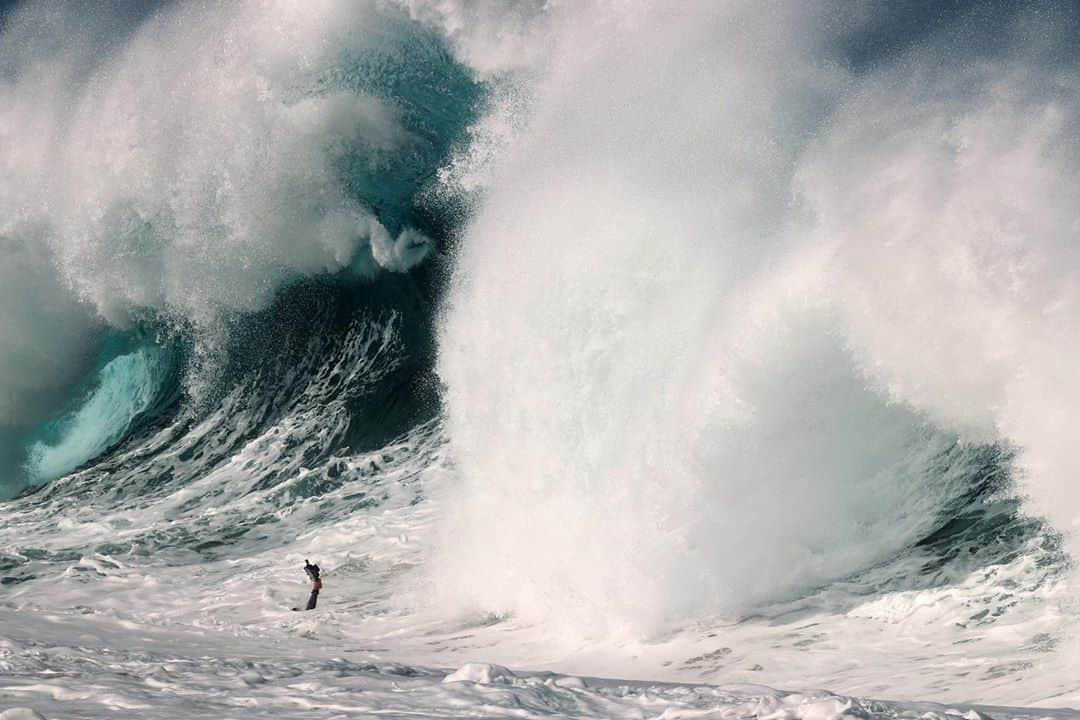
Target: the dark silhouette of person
pixel 316 584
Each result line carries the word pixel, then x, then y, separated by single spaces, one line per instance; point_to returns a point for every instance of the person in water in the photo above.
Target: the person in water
pixel 316 584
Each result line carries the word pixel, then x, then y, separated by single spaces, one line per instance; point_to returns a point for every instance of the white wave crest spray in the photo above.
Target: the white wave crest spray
pixel 725 305
pixel 178 162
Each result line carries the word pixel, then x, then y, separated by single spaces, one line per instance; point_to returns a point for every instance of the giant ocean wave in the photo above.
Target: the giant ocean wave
pixel 711 342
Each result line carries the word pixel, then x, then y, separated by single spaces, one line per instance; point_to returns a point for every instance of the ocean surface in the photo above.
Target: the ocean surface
pixel 629 360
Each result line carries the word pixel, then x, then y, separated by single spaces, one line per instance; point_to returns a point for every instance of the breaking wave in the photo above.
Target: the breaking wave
pixel 641 320
pixel 729 335
pixel 177 170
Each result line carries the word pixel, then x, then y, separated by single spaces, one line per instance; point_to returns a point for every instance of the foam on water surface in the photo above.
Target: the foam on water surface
pixel 109 670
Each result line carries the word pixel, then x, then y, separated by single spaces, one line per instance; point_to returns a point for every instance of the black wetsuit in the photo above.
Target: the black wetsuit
pixel 314 597
pixel 316 584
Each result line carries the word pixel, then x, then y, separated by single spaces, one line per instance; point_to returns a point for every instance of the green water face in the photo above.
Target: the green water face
pixel 127 386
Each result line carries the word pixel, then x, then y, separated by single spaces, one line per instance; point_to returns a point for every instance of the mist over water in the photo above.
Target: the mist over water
pixel 710 341
pixel 743 279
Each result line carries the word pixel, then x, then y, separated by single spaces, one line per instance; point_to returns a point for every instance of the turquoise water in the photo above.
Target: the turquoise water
pixel 127 386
